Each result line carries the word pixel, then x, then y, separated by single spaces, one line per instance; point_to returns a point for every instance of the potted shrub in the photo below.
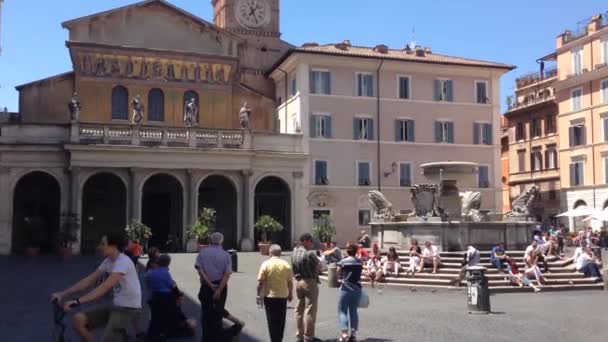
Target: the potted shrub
pixel 203 227
pixel 137 231
pixel 68 235
pixel 266 225
pixel 34 228
pixel 325 230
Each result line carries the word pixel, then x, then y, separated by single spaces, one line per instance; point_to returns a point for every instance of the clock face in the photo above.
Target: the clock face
pixel 253 14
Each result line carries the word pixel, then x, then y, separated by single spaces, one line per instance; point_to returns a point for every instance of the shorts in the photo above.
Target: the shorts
pixel 116 320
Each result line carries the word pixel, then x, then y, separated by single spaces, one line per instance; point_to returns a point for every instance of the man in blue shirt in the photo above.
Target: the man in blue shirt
pixel 498 256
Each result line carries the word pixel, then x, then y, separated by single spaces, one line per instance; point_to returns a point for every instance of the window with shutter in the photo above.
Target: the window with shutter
pixel 363 174
pixel 605 125
pixel 604 91
pixel 364 217
pixel 321 177
pixel 476 133
pixel 487 136
pixel 481 92
pixel 576 99
pixel 404 87
pixel 521 160
pixel 450 132
pixel 320 82
pixel 405 174
pixel 484 181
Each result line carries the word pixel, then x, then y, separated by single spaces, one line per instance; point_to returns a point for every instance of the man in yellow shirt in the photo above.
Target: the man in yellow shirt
pixel 275 284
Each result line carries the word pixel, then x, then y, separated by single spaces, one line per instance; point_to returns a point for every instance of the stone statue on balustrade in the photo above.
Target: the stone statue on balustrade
pixel 75 108
pixel 523 205
pixel 383 209
pixel 191 113
pixel 424 200
pixel 138 110
pixel 244 116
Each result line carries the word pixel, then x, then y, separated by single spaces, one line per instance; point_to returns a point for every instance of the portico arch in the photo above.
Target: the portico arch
pixel 36 212
pixel 104 209
pixel 273 197
pixel 219 193
pixel 162 208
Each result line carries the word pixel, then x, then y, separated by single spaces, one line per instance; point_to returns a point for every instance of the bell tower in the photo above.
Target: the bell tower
pixel 257 23
pixel 248 17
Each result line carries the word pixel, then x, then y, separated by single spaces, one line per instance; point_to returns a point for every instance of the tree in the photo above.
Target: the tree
pixel 324 229
pixel 266 225
pixel 204 225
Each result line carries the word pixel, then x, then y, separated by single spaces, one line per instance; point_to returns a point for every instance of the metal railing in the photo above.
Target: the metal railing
pixel 536 76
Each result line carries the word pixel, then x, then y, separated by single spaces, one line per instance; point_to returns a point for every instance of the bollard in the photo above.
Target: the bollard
pixel 234 259
pixel 478 294
pixel 332 276
pixel 604 255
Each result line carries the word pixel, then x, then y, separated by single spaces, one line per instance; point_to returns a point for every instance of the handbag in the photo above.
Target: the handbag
pixel 363 300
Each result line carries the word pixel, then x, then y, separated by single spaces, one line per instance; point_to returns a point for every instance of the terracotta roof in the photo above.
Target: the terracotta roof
pixel 392 54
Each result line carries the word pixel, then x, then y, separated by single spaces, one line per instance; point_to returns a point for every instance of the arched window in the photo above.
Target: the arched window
pixel 191 94
pixel 579 203
pixel 120 103
pixel 156 105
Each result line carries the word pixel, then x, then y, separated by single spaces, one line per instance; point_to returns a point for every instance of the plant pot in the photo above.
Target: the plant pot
pixel 264 248
pixel 65 253
pixel 32 251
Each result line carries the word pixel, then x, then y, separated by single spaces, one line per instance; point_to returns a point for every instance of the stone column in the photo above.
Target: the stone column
pixel 192 202
pixel 74 202
pixel 134 194
pixel 247 241
pixel 6 198
pixel 297 205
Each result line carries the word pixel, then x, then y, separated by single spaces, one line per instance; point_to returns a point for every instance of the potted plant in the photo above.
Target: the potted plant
pixel 324 229
pixel 265 226
pixel 137 231
pixel 68 235
pixel 203 227
pixel 34 228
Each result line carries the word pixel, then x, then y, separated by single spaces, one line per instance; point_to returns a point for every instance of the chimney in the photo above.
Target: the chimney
pixel 594 24
pixel 310 44
pixel 381 48
pixel 427 50
pixel 407 49
pixel 344 45
pixel 419 51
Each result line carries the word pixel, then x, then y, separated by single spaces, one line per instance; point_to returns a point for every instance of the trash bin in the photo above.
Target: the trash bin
pixel 332 276
pixel 478 294
pixel 235 260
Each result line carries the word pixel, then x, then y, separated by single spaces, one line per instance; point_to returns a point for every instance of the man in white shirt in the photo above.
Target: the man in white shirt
pixel 540 256
pixel 430 257
pixel 587 263
pixel 126 305
pixel 471 258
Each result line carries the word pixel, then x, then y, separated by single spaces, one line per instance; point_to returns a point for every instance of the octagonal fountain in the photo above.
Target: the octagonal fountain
pixel 449 218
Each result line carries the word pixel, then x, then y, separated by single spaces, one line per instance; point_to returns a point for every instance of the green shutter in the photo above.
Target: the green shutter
pixel 450 132
pixel 449 90
pixel 438 132
pixel 488 134
pixel 411 131
pixel 356 131
pixel 398 130
pixel 327 124
pixel 437 95
pixel 476 128
pixel 370 127
pixel 313 126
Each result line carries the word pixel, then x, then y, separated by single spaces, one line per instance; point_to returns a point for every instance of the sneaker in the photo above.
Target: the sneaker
pixel 537 290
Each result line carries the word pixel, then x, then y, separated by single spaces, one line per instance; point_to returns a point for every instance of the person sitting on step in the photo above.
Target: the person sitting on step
pixel 374 270
pixel 540 257
pixel 376 251
pixel 499 257
pixel 532 269
pixel 333 255
pixel 415 256
pixel 430 257
pixel 390 263
pixel 587 264
pixel 518 279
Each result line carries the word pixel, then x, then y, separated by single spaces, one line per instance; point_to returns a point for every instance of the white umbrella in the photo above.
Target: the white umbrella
pixel 598 215
pixel 578 212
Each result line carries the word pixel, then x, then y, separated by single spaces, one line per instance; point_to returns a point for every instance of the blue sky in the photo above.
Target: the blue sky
pixel 515 32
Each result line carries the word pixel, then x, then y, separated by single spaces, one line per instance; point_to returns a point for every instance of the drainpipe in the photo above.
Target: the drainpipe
pixel 286 95
pixel 378 123
pixel 592 135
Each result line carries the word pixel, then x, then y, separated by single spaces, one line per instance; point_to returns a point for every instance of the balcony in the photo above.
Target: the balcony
pixel 535 77
pixel 582 27
pixel 513 104
pixel 147 136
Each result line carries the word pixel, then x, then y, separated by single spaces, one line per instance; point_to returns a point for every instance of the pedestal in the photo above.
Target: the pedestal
pixel 246 245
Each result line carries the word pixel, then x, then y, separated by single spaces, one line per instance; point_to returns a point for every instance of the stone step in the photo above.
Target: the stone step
pixel 455 268
pixel 440 275
pixel 491 282
pixel 548 288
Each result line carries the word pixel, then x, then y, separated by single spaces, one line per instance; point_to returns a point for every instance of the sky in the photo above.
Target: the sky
pixel 515 32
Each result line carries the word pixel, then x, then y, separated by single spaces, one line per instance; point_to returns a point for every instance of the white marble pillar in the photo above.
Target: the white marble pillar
pixel 191 204
pixel 297 205
pixel 247 241
pixel 135 177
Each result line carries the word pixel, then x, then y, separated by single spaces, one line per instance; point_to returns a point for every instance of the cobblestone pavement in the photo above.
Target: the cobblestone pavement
pixel 394 315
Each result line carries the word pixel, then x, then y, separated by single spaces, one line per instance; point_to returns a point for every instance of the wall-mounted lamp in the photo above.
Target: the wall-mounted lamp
pixel 393 170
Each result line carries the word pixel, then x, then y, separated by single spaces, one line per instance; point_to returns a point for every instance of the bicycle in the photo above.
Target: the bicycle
pixel 59 327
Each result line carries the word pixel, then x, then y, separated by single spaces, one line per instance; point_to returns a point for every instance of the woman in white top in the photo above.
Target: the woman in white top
pixel 415 255
pixel 374 270
pixel 532 269
pixel 391 262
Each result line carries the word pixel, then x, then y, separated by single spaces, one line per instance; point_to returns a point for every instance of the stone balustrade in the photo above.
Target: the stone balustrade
pixel 141 135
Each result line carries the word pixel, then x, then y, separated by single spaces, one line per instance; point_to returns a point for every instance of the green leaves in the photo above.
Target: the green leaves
pixel 204 225
pixel 324 228
pixel 266 224
pixel 137 231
